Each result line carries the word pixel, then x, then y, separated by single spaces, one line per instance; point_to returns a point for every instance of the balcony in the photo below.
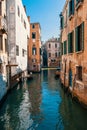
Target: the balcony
pixel 3 25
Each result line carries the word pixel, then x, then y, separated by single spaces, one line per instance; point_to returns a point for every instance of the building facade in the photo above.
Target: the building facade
pixel 18 35
pixel 44 56
pixel 73 40
pixel 3 48
pixel 53 52
pixel 35 48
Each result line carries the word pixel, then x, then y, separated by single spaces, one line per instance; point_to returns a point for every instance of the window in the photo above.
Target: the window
pixel 71 7
pixel 65 17
pixel 49 45
pixel 71 42
pixel 78 2
pixel 23 52
pixel 59 54
pixel 34 66
pixel 79 37
pixel 34 60
pixel 1 43
pixel 40 51
pixel 53 60
pixel 6 49
pixel 61 21
pixel 34 51
pixel 65 47
pixel 17 50
pixel 55 45
pixel 33 26
pixel 25 24
pixel 79 73
pixel 61 48
pixel 56 54
pixel 49 54
pixel 18 11
pixel 33 35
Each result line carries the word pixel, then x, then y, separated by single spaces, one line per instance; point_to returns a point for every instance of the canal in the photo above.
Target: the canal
pixel 41 104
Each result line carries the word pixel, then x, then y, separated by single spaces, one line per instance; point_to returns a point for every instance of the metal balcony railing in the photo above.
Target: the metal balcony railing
pixel 3 24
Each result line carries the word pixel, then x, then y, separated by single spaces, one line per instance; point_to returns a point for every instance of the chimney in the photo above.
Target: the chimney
pixel 28 18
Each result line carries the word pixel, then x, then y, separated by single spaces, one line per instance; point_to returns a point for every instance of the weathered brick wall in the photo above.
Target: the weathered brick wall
pixel 76 58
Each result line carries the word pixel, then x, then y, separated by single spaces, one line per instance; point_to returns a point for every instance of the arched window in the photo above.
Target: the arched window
pixel 34 51
pixel 55 45
pixel 33 26
pixel 49 45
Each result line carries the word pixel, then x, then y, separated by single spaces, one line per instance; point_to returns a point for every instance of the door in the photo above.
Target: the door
pixel 70 78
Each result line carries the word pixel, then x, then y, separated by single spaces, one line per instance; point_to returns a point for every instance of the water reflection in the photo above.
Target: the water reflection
pixel 35 100
pixel 40 104
pixel 15 114
pixel 73 115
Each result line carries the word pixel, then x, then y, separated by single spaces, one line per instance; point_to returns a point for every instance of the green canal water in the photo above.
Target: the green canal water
pixel 41 104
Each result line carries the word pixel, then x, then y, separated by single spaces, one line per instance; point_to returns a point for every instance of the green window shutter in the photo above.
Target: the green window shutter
pixel 72 6
pixel 76 2
pixel 82 36
pixel 62 26
pixel 61 21
pixel 65 47
pixel 61 48
pixel 68 43
pixel 73 41
pixel 76 39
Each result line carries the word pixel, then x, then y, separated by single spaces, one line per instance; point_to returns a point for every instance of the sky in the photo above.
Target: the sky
pixel 46 12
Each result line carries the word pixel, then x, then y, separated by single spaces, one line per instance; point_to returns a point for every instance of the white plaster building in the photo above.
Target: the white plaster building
pixel 3 48
pixel 18 34
pixel 53 52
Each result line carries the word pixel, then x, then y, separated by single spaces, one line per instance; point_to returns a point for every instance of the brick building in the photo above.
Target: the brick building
pixel 73 20
pixel 34 53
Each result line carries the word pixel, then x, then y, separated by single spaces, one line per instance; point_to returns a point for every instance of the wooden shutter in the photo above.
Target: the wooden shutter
pixel 68 43
pixel 61 48
pixel 62 22
pixel 76 39
pixel 72 42
pixel 82 36
pixel 65 49
pixel 72 6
